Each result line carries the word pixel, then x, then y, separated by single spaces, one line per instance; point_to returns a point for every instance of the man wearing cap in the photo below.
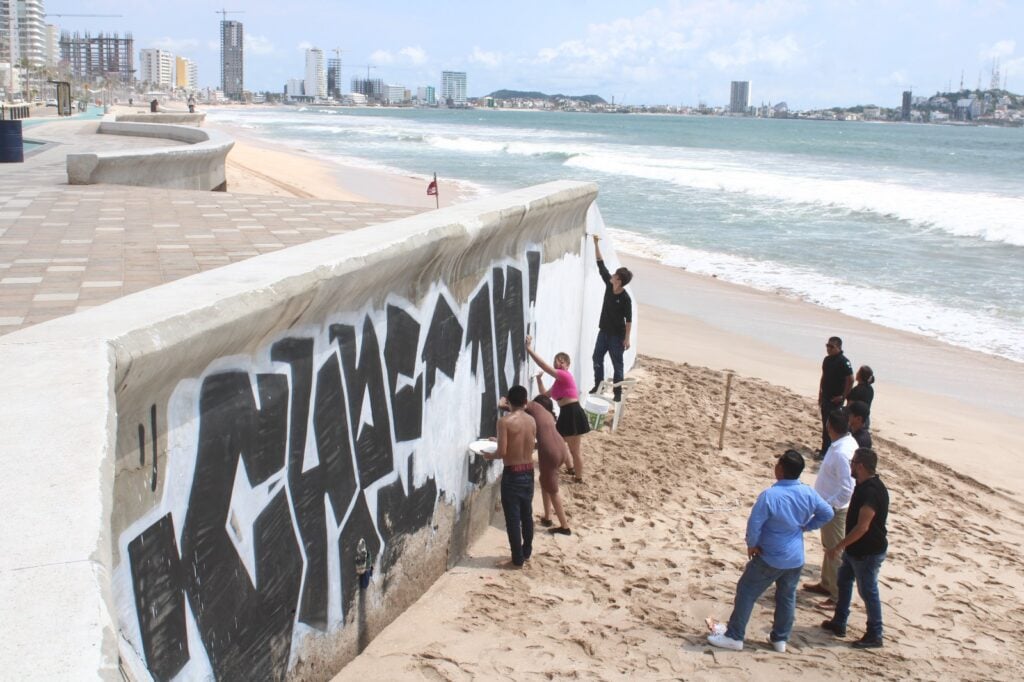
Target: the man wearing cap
pixel 775 549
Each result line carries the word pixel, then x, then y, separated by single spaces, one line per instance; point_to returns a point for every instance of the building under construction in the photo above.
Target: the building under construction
pixel 92 59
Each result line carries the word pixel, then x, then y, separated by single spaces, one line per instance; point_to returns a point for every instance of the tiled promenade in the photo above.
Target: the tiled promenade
pixel 67 248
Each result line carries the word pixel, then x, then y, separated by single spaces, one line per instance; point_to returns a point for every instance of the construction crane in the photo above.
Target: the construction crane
pixel 225 12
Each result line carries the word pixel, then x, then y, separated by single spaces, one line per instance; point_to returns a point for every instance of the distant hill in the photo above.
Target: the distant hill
pixel 532 94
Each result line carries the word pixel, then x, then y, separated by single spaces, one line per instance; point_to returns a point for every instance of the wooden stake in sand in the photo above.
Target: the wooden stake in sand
pixel 725 410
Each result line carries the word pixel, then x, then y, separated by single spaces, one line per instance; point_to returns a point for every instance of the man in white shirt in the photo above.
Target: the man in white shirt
pixel 835 485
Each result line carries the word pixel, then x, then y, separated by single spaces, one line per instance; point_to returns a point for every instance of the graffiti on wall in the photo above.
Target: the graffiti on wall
pixel 279 465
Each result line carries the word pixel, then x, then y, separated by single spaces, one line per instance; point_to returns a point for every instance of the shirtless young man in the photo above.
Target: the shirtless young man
pixel 517 433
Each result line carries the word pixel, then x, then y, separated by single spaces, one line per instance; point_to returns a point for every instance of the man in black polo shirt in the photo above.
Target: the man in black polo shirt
pixel 863 550
pixel 836 382
pixel 616 321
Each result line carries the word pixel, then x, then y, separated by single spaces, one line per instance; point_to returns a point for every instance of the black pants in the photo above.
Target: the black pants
pixel 517 503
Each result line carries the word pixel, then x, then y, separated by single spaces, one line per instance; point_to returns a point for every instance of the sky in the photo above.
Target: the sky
pixel 809 54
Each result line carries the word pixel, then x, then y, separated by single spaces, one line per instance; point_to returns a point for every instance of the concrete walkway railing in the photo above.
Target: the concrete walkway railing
pixel 200 165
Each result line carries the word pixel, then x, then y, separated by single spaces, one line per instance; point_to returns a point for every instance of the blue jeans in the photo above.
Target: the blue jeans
pixel 863 570
pixel 517 503
pixel 612 345
pixel 757 577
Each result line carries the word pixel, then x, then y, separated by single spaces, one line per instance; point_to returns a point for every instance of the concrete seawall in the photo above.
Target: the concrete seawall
pixel 193 471
pixel 200 165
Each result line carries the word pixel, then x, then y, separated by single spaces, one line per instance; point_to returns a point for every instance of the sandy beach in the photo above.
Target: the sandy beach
pixel 657 540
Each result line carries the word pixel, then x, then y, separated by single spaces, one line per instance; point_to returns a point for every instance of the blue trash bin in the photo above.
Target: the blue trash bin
pixel 12 145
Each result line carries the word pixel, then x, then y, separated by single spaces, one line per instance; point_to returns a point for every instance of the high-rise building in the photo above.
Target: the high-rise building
pixel 186 74
pixel 51 51
pixel 23 37
pixel 907 100
pixel 739 97
pixel 394 94
pixel 371 88
pixel 453 88
pixel 156 67
pixel 334 82
pixel 426 95
pixel 294 87
pixel 232 59
pixel 95 59
pixel 316 74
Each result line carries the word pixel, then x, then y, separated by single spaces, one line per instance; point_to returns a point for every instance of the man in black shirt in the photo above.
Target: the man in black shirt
pixel 836 382
pixel 615 324
pixel 859 412
pixel 863 550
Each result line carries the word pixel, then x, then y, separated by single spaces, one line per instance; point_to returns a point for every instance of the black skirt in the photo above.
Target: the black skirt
pixel 572 420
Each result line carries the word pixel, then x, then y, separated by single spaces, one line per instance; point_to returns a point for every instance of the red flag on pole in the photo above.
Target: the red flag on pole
pixel 432 188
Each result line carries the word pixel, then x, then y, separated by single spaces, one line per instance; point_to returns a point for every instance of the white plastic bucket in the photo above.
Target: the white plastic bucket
pixel 596 408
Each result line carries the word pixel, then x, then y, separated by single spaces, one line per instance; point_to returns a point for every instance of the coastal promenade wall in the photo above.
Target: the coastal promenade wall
pixel 199 166
pixel 196 475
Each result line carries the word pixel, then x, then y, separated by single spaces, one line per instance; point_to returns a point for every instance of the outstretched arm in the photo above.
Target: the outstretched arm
pixel 538 359
pixel 597 247
pixel 540 384
pixel 605 275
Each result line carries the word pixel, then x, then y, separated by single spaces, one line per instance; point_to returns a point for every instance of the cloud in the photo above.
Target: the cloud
pixel 416 55
pixel 666 42
pixel 179 46
pixel 258 44
pixel 898 77
pixel 750 49
pixel 1002 48
pixel 304 45
pixel 412 54
pixel 491 60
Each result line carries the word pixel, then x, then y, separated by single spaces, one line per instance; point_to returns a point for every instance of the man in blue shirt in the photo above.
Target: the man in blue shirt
pixel 775 548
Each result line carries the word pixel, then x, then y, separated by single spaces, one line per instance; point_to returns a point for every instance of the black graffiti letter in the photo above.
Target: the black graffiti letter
pixel 246 627
pixel 480 340
pixel 159 600
pixel 443 343
pixel 400 356
pixel 366 379
pixel 508 324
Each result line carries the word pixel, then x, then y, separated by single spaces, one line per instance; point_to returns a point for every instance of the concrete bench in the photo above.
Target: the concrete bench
pixel 200 165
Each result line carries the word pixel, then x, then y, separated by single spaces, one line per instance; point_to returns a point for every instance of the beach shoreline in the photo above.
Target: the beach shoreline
pixel 942 401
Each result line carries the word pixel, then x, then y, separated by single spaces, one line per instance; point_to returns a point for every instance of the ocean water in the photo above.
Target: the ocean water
pixel 915 227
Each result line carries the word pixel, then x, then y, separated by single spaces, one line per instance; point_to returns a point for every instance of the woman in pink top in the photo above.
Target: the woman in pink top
pixel 572 420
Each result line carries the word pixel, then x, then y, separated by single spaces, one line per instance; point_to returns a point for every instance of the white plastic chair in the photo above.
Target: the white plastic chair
pixel 606 389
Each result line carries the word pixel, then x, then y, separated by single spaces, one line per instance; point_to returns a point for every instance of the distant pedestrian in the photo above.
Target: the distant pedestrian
pixel 864 390
pixel 863 550
pixel 835 485
pixel 775 551
pixel 859 413
pixel 191 104
pixel 615 323
pixel 836 382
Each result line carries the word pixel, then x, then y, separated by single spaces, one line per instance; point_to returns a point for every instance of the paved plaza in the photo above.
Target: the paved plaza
pixel 67 248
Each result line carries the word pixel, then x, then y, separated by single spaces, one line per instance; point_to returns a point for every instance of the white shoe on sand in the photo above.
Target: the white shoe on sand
pixel 723 642
pixel 780 647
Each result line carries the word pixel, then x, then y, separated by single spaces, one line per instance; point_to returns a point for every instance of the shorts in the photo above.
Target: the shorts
pixel 572 420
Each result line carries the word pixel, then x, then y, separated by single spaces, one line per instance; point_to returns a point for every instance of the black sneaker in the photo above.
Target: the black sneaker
pixel 868 642
pixel 835 629
pixel 594 389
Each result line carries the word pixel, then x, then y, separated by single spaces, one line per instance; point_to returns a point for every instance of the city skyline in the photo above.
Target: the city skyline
pixel 807 54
